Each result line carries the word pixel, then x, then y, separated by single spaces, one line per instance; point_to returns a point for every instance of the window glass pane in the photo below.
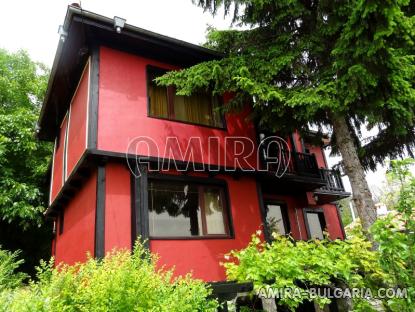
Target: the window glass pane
pixel 314 225
pixel 157 97
pixel 213 211
pixel 197 108
pixel 173 209
pixel 179 209
pixel 275 221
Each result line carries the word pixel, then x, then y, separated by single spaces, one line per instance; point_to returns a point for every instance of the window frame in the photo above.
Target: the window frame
pixel 319 211
pixel 284 213
pixel 170 102
pixel 198 181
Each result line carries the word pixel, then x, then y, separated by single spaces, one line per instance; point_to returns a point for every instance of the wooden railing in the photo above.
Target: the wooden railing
pixel 285 161
pixel 333 180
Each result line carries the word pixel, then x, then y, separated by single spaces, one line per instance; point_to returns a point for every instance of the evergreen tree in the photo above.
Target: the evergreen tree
pixel 336 64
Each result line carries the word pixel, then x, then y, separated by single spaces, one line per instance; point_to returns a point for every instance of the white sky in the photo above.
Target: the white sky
pixel 33 25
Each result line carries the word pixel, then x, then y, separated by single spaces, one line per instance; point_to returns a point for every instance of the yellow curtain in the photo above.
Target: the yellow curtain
pixel 158 101
pixel 197 108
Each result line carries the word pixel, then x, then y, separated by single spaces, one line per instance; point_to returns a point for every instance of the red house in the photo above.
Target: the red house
pixel 116 132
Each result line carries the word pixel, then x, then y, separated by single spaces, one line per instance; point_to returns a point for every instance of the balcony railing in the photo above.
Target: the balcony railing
pixel 333 181
pixel 285 161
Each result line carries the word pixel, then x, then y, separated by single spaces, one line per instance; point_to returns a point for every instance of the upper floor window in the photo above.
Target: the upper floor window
pixel 200 108
pixel 186 209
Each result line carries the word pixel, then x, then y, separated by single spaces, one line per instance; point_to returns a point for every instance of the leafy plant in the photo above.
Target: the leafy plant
pixel 24 160
pixel 9 262
pixel 120 282
pixel 298 265
pixel 396 235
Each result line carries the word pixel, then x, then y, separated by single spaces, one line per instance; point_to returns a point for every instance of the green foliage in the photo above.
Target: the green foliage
pixel 23 159
pixel 301 62
pixel 350 263
pixel 119 282
pixel 396 236
pixel 301 264
pixel 9 262
pixel 345 211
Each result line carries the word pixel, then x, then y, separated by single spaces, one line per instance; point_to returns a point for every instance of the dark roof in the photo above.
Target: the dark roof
pixel 86 29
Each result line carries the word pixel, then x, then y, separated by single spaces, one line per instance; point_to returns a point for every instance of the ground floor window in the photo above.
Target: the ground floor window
pixel 277 218
pixel 316 223
pixel 187 209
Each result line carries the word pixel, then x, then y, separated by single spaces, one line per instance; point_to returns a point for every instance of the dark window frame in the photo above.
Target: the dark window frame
pixel 320 212
pixel 284 213
pixel 170 102
pixel 200 181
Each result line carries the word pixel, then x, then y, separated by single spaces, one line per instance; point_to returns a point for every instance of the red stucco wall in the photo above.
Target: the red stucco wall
pixel 117 207
pixel 77 122
pixel 57 175
pixel 79 225
pixel 295 205
pixel 123 115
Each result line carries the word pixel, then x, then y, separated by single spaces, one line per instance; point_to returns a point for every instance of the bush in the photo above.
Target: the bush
pixel 9 262
pixel 299 265
pixel 351 263
pixel 119 282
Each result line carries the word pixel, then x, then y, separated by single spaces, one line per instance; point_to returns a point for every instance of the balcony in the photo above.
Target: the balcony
pixel 290 172
pixel 292 163
pixel 333 190
pixel 300 172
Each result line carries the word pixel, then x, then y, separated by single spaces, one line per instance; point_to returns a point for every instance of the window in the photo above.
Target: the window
pixel 200 108
pixel 277 218
pixel 183 209
pixel 316 224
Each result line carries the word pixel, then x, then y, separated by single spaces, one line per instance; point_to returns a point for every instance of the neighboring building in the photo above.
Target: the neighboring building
pixel 101 100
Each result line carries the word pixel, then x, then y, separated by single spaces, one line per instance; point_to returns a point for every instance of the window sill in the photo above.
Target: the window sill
pixel 189 123
pixel 191 237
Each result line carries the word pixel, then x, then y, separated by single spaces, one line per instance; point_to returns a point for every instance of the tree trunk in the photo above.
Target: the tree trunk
pixel 362 196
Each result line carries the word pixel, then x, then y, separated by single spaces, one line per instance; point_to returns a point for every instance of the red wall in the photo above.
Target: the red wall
pixel 58 157
pixel 117 207
pixel 123 114
pixel 79 225
pixel 202 257
pixel 334 225
pixel 295 207
pixel 77 122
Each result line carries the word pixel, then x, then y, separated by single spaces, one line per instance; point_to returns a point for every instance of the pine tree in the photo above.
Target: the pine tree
pixel 338 64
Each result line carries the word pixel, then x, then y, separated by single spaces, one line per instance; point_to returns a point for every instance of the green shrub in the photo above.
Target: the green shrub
pixel 9 262
pixel 302 264
pixel 119 282
pixel 396 235
pixel 351 263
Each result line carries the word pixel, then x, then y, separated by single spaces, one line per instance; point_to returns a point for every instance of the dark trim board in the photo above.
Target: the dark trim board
pixel 263 211
pixel 100 214
pixel 93 97
pixel 139 206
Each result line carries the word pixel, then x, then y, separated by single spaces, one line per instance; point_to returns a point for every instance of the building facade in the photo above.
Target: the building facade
pixel 133 159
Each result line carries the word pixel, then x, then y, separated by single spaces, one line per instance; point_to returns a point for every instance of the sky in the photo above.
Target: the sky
pixel 33 26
